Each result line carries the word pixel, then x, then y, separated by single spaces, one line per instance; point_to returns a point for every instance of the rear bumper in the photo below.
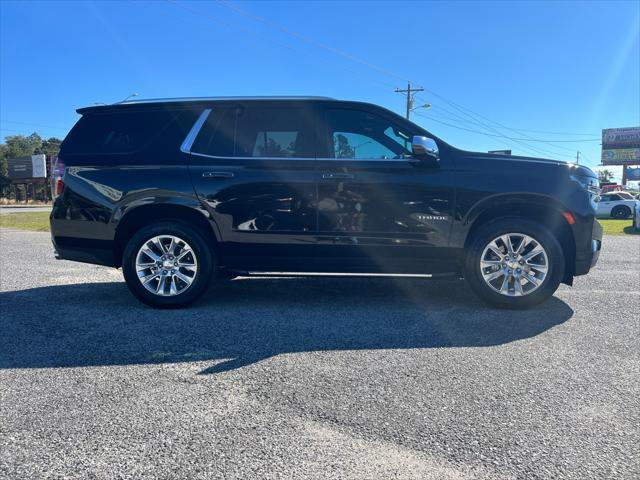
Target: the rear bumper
pixel 588 257
pixel 83 250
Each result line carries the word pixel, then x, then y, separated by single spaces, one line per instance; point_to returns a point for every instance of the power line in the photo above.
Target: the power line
pixel 529 139
pixel 235 26
pixel 517 143
pixel 468 129
pixel 450 116
pixel 33 125
pixel 298 35
pixel 473 114
pixel 346 55
pixel 355 59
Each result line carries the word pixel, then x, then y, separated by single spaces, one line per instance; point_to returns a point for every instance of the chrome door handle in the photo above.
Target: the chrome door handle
pixel 217 174
pixel 337 176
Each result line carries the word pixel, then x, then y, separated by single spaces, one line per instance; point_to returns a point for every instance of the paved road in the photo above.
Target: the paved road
pixel 23 209
pixel 320 378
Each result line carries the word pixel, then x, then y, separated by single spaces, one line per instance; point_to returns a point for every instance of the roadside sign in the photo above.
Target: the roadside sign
pixel 24 168
pixel 621 137
pixel 621 146
pixel 621 156
pixel 633 173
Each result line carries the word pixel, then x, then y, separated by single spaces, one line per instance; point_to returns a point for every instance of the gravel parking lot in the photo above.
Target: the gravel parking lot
pixel 315 378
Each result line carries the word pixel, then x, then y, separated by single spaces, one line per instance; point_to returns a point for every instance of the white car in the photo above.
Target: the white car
pixel 617 205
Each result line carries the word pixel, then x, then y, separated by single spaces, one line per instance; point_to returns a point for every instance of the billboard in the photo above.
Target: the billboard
pixel 26 168
pixel 633 173
pixel 621 146
pixel 621 156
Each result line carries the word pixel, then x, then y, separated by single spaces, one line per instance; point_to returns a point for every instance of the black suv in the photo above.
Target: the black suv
pixel 181 192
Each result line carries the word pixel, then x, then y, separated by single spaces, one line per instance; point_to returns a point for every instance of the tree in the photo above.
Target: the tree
pixel 51 146
pixel 342 147
pixel 605 175
pixel 15 146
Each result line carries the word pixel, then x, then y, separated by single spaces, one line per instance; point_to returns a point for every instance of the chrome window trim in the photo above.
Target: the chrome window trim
pixel 193 133
pixel 303 158
pixel 197 126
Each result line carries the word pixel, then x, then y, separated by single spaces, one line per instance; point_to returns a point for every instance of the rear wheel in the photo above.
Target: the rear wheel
pixel 168 264
pixel 514 262
pixel 621 212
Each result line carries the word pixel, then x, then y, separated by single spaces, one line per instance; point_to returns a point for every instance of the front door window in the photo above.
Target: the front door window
pixel 361 135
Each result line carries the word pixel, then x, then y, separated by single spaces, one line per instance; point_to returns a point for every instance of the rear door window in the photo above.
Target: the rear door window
pixel 257 132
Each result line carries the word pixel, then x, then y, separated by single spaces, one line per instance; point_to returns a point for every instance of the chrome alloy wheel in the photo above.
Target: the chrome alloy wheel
pixel 166 265
pixel 514 264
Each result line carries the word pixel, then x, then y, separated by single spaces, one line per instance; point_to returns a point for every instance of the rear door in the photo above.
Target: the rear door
pixel 378 209
pixel 253 167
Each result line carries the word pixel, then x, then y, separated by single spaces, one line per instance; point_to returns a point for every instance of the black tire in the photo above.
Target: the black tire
pixel 486 234
pixel 205 257
pixel 621 212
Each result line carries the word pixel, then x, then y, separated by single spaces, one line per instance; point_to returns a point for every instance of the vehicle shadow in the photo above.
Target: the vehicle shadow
pixel 247 320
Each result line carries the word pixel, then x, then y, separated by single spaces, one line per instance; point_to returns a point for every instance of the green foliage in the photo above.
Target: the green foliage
pixel 22 146
pixel 605 175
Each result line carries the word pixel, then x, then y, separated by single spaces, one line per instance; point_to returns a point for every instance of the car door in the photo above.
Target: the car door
pixel 605 204
pixel 378 208
pixel 253 167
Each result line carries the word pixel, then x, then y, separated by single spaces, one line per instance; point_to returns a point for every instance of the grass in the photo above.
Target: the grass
pixel 35 221
pixel 617 227
pixel 39 222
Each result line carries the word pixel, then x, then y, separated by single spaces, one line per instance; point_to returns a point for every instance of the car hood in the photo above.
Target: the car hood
pixel 513 161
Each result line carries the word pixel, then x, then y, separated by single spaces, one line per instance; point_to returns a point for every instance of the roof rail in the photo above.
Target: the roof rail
pixel 205 99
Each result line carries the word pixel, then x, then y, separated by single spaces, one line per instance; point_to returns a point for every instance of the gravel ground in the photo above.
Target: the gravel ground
pixel 315 378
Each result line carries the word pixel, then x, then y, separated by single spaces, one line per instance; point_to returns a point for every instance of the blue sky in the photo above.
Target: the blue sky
pixel 534 67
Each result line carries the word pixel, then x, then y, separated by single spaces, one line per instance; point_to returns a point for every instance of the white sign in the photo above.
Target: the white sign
pixel 39 163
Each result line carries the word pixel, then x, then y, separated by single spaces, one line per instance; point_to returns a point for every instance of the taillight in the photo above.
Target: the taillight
pixel 57 178
pixel 59 187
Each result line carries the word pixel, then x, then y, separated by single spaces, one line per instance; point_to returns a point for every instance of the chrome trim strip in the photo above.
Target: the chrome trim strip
pixel 193 133
pixel 304 158
pixel 332 274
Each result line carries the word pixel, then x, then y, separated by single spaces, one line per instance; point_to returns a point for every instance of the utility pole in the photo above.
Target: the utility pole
pixel 410 92
pixel 578 157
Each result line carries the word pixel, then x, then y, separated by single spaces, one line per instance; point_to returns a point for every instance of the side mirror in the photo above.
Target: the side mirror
pixel 421 146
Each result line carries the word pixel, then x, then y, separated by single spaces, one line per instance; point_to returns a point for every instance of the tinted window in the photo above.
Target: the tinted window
pixel 122 132
pixel 257 132
pixel 363 135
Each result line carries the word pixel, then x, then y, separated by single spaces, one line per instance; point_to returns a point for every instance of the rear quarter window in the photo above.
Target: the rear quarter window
pixel 128 132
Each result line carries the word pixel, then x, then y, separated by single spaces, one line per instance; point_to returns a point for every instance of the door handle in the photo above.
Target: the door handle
pixel 217 174
pixel 337 176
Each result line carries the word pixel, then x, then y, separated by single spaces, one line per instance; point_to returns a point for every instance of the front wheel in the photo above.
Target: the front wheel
pixel 168 264
pixel 514 262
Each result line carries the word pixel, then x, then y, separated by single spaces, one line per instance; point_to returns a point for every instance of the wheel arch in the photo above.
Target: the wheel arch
pixel 539 208
pixel 136 217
